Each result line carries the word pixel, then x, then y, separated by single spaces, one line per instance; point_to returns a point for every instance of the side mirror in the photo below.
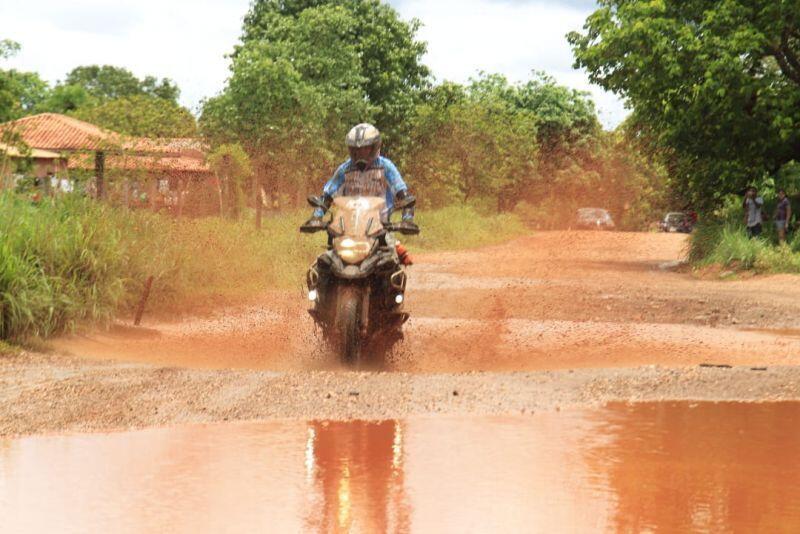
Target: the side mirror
pixel 404 228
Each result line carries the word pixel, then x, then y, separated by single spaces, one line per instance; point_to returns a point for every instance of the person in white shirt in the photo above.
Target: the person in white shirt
pixel 753 218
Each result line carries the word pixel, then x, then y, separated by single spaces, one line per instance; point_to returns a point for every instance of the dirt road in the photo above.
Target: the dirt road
pixel 551 319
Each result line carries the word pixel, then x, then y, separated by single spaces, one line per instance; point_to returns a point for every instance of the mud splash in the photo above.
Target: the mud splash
pixel 674 467
pixel 553 300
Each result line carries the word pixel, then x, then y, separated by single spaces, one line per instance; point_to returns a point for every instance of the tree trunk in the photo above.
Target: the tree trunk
pixel 257 199
pixel 219 194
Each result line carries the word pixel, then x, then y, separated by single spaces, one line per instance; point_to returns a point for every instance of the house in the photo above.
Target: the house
pixel 43 162
pixel 156 172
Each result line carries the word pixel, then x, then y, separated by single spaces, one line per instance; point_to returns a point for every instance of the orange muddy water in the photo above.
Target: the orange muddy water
pixel 673 467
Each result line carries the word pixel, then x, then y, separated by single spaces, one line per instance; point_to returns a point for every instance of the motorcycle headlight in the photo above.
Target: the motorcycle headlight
pixel 352 251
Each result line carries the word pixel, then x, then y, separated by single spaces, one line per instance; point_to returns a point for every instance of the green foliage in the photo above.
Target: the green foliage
pixel 715 86
pixel 303 82
pixel 463 226
pixel 108 82
pixel 65 99
pixel 8 48
pixel 69 260
pixel 231 164
pixel 292 95
pixel 536 142
pixel 20 92
pixel 108 96
pixel 471 146
pixel 718 242
pixel 59 263
pixel 382 57
pixel 140 115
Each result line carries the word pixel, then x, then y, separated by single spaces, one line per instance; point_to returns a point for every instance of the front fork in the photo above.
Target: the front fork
pixel 326 301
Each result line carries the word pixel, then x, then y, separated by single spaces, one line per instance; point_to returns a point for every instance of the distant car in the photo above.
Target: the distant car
pixel 594 219
pixel 677 221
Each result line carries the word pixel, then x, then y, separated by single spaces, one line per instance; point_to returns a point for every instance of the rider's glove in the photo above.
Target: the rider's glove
pixel 408 213
pixel 327 200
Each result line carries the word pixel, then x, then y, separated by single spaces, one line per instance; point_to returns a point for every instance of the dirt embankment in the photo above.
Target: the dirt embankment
pixel 554 319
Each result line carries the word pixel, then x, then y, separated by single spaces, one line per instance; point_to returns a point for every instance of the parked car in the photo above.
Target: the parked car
pixel 594 219
pixel 677 221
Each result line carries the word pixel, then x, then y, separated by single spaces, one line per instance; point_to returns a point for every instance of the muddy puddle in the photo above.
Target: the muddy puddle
pixel 674 467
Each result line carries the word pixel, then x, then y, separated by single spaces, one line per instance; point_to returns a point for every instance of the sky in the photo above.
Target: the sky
pixel 187 40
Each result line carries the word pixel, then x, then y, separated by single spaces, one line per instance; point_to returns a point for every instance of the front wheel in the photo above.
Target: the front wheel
pixel 348 319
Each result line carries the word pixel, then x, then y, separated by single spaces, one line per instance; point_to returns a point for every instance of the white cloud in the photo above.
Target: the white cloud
pixel 512 37
pixel 187 40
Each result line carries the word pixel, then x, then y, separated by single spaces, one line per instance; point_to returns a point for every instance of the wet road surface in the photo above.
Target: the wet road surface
pixel 552 300
pixel 668 467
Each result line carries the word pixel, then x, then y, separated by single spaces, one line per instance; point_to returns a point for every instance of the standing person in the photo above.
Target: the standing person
pixel 783 214
pixel 753 218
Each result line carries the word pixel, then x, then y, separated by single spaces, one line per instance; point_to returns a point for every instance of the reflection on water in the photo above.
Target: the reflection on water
pixel 639 468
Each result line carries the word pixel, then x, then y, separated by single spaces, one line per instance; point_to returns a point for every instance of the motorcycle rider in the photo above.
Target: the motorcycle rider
pixel 366 173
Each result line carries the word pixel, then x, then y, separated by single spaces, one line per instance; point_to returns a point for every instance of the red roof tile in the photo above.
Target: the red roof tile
pixel 177 146
pixel 52 131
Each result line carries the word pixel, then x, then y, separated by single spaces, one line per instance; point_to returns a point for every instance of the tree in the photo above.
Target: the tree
pixel 715 86
pixel 388 70
pixel 291 99
pixel 232 166
pixel 108 82
pixel 20 92
pixel 469 144
pixel 65 99
pixel 140 115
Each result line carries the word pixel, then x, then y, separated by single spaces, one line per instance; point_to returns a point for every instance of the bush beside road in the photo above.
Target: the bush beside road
pixel 70 261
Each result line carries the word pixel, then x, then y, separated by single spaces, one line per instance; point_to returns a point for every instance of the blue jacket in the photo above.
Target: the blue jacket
pixel 394 181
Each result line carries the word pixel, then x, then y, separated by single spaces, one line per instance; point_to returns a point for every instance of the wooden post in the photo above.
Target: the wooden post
pixel 148 284
pixel 99 172
pixel 257 199
pixel 152 188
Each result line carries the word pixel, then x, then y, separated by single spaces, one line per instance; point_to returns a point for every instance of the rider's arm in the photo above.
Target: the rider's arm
pixel 393 178
pixel 396 185
pixel 332 186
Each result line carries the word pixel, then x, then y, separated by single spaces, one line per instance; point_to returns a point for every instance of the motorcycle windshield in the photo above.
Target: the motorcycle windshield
pixel 358 217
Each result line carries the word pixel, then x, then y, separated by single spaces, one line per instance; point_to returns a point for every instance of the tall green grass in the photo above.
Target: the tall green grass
pixel 70 260
pixel 463 226
pixel 727 244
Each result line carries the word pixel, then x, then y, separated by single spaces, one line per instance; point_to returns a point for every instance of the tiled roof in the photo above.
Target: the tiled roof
pixel 186 146
pixel 35 153
pixel 52 131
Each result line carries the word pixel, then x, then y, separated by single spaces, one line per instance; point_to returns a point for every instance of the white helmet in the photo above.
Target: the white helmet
pixel 363 135
pixel 364 145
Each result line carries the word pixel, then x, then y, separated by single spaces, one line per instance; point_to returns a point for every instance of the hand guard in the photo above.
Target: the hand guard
pixel 314 224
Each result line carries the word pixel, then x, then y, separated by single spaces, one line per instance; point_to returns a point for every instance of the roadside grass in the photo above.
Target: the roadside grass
pixel 726 244
pixel 7 349
pixel 70 261
pixel 463 226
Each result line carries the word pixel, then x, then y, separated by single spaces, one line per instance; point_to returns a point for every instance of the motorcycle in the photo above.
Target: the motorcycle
pixel 357 287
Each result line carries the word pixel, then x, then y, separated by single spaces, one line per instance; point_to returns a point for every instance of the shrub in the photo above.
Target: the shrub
pixel 727 244
pixel 70 260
